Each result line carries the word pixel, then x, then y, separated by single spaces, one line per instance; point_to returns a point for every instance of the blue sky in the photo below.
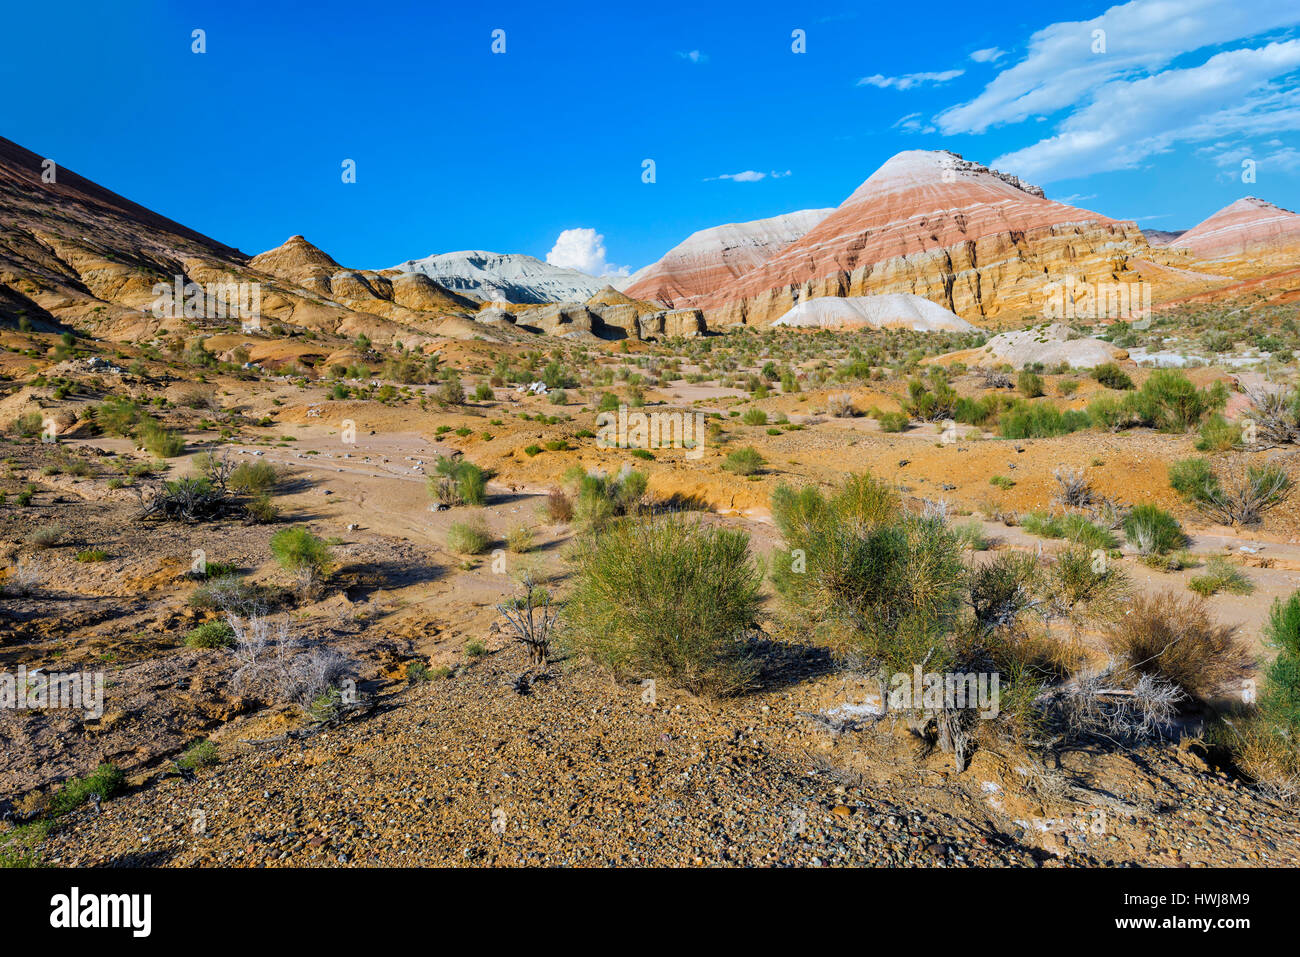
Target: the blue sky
pixel 460 148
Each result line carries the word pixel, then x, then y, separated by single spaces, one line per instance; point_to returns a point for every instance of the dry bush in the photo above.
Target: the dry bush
pixel 559 507
pixel 25 578
pixel 1072 489
pixel 840 405
pixel 1173 637
pixel 1276 415
pixel 532 621
pixel 1107 703
pixel 1265 752
pixel 274 666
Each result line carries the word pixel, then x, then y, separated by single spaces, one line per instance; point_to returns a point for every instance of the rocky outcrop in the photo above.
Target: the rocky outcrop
pixel 888 311
pixel 559 319
pixel 673 323
pixel 713 257
pixel 1249 237
pixel 980 243
pixel 505 277
pixel 1051 344
pixel 399 296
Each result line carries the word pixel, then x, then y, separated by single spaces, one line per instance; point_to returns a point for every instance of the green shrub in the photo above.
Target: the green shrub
pixel 1078 586
pixel 1218 434
pixel 118 416
pixel 746 461
pixel 1112 376
pixel 211 634
pixel 1238 497
pixel 1110 413
pixel 1031 385
pixel 1002 588
pixel 1040 420
pixel 893 421
pixel 972 537
pixel 1168 401
pixel 600 499
pixel 754 417
pixel 1279 699
pixel 1153 531
pixel 1220 575
pixel 92 555
pixel 976 411
pixel 159 441
pixel 456 481
pixel 302 554
pixel 1192 478
pixel 667 598
pixel 520 539
pixel 882 583
pixel 251 478
pixel 1071 527
pixel 106 781
pixel 200 755
pixel 932 400
pixel 469 538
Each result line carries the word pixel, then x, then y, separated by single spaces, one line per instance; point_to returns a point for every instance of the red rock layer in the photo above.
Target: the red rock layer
pixel 712 257
pixel 976 241
pixel 1248 236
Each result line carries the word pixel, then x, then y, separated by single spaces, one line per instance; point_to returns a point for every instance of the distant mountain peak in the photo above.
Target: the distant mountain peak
pixel 505 277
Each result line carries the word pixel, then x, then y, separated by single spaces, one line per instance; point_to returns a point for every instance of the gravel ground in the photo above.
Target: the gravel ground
pixel 466 771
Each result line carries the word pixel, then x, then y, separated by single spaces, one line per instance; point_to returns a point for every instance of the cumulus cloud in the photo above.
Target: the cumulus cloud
pixel 584 250
pixel 695 56
pixel 1113 95
pixel 988 55
pixel 909 80
pixel 748 176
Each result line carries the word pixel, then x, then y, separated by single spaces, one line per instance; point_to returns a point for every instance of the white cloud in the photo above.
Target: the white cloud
pixel 695 56
pixel 748 176
pixel 583 250
pixel 909 80
pixel 1284 160
pixel 1060 68
pixel 1124 121
pixel 988 55
pixel 912 123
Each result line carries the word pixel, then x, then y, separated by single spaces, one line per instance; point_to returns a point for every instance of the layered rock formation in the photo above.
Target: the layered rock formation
pixel 896 310
pixel 710 258
pixel 504 277
pixel 76 254
pixel 396 295
pixel 978 242
pixel 1249 237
